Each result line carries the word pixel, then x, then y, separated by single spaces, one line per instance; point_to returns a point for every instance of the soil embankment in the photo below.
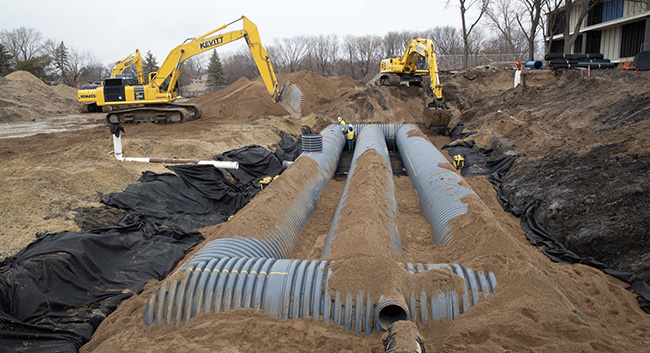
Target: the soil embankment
pixel 584 146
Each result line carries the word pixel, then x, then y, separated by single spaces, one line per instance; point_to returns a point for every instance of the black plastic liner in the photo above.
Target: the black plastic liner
pixel 477 163
pixel 58 289
pixel 196 196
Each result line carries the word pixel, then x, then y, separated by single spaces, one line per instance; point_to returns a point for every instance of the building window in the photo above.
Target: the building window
pixel 593 42
pixel 557 46
pixel 605 11
pixel 632 36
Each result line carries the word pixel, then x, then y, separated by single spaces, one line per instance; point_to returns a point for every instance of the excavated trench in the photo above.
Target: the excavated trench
pixel 253 268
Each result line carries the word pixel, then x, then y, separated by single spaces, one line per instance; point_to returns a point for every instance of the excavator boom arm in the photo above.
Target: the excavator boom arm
pixel 169 71
pixel 131 59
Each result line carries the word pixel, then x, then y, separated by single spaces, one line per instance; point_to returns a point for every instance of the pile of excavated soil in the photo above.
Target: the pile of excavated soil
pixel 325 100
pixel 23 97
pixel 584 143
pixel 65 91
pixel 245 99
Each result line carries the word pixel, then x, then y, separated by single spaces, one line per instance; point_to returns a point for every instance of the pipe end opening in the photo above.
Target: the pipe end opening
pixel 391 313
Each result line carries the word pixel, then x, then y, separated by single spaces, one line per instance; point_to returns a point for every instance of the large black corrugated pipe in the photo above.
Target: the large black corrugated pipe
pixel 290 289
pixel 281 239
pixel 370 137
pixel 435 180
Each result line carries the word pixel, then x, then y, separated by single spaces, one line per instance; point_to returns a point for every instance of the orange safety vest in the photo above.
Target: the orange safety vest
pixel 350 134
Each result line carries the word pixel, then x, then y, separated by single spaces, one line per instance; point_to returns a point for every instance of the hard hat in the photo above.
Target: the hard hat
pixel 349 125
pixel 340 118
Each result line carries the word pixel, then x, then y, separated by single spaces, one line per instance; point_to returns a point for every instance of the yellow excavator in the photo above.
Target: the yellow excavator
pixel 155 98
pixel 418 67
pixel 118 71
pixel 131 59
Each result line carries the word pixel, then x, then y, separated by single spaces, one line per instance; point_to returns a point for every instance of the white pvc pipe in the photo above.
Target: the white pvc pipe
pixel 117 148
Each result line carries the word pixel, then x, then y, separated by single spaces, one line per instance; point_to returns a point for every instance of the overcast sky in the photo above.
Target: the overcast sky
pixel 112 29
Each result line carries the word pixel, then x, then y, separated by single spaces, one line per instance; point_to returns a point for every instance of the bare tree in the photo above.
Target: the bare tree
pixel 192 68
pixel 323 54
pixel 363 54
pixel 503 15
pixel 23 43
pixel 392 44
pixel 532 9
pixel 77 63
pixel 581 8
pixel 289 53
pixel 553 21
pixel 348 63
pixel 241 64
pixel 448 40
pixel 466 6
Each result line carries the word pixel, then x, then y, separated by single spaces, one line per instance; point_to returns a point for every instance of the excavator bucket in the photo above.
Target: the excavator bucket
pixel 292 99
pixel 436 115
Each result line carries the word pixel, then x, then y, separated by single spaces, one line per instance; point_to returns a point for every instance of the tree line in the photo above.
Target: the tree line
pixel 488 27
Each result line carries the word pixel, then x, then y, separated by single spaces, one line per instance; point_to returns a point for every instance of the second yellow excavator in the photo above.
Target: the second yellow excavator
pixel 154 99
pixel 130 60
pixel 418 67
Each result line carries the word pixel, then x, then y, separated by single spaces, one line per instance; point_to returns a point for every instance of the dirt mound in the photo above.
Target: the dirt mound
pixel 245 99
pixel 65 91
pixel 24 76
pixel 584 151
pixel 23 97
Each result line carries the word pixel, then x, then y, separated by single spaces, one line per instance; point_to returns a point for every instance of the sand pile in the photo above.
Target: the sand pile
pixel 24 76
pixel 23 97
pixel 325 100
pixel 245 99
pixel 65 91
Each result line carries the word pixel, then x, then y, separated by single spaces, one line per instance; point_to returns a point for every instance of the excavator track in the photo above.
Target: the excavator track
pixel 159 114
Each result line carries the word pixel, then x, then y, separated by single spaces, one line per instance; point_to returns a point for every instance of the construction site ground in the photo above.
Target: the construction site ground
pixel 584 146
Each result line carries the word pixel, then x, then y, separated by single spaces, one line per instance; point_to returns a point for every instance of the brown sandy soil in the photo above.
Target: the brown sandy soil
pixel 584 144
pixel 22 98
pixel 539 306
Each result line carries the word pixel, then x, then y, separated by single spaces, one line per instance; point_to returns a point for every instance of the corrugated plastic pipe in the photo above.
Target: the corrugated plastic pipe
pixel 290 289
pixel 435 180
pixel 281 239
pixel 389 130
pixel 370 137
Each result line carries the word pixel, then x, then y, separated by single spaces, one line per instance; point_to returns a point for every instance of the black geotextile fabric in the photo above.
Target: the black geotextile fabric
pixel 196 196
pixel 254 162
pixel 58 289
pixel 288 149
pixel 476 163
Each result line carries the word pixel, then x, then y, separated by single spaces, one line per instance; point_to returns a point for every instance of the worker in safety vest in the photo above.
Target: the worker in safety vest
pixel 344 126
pixel 350 137
pixel 459 162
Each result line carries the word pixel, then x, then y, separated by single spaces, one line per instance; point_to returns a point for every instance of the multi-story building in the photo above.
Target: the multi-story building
pixel 616 28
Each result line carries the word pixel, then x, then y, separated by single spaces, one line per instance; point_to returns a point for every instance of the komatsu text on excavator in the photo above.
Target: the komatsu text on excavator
pixel 418 67
pixel 154 99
